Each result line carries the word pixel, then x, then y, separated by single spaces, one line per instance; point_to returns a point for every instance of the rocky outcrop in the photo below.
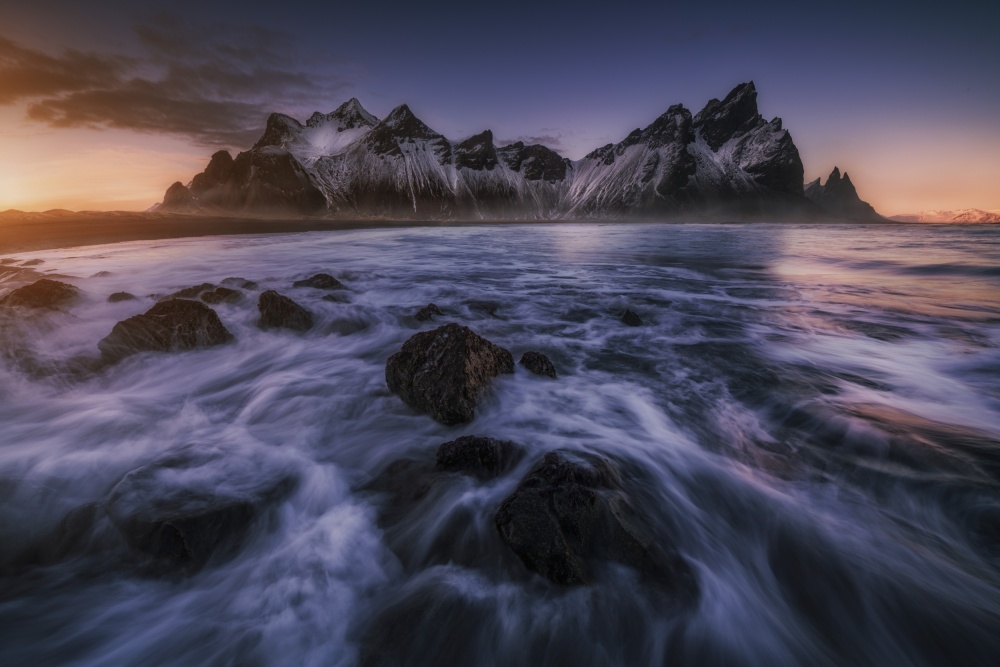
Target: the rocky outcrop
pixel 169 326
pixel 118 297
pixel 216 175
pixel 538 363
pixel 480 457
pixel 443 372
pixel 279 312
pixel 45 294
pixel 839 198
pixel 178 198
pixel 265 179
pixel 570 512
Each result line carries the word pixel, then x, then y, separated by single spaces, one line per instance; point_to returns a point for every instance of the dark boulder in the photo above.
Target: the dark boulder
pixel 179 514
pixel 222 295
pixel 538 363
pixel 428 312
pixel 45 293
pixel 280 312
pixel 320 281
pixel 480 457
pixel 631 319
pixel 444 371
pixel 173 325
pixel 571 511
pixel 118 297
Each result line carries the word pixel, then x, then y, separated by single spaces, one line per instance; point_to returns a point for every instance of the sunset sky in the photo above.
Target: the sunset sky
pixel 106 103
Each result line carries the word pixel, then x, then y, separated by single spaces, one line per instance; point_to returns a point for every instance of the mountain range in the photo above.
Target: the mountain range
pixel 723 162
pixel 964 215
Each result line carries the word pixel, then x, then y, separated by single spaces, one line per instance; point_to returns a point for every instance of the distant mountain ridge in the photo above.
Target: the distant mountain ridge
pixel 726 162
pixel 964 215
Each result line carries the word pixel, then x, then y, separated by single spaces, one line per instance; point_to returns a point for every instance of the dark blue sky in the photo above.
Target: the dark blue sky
pixel 903 95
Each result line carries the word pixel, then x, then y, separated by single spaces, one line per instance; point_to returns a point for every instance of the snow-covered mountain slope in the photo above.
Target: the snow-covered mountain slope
pixel 964 215
pixel 726 159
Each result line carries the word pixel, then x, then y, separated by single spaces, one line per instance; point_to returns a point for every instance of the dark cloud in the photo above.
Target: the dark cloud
pixel 26 74
pixel 212 84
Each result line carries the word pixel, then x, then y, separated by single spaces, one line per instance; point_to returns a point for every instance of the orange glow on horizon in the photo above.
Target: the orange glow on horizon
pixel 85 169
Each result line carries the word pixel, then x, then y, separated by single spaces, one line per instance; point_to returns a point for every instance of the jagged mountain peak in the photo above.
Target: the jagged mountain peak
pixel 477 152
pixel 736 114
pixel 347 116
pixel 401 115
pixel 354 115
pixel 401 126
pixel 672 126
pixel 839 197
pixel 280 130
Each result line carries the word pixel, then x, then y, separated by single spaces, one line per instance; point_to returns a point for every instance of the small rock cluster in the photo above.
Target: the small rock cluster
pixel 569 513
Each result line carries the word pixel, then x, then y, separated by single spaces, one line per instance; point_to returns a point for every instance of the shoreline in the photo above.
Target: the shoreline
pixel 29 232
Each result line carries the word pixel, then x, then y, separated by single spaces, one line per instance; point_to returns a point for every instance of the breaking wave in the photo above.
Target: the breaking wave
pixel 810 415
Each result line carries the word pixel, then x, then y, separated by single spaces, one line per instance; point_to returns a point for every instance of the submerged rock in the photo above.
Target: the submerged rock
pixel 428 312
pixel 118 297
pixel 169 326
pixel 631 319
pixel 538 363
pixel 320 281
pixel 481 457
pixel 280 312
pixel 444 371
pixel 175 512
pixel 45 293
pixel 570 511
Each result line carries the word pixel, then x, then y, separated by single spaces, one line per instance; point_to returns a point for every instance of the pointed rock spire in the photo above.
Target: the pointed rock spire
pixel 737 113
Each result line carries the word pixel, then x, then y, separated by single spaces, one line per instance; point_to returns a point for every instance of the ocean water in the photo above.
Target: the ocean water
pixel 810 415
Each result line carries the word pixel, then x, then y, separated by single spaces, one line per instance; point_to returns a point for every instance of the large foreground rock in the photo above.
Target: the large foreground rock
pixel 279 312
pixel 444 371
pixel 44 293
pixel 570 512
pixel 177 324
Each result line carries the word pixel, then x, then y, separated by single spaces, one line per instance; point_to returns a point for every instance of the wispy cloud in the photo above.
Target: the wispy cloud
pixel 212 84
